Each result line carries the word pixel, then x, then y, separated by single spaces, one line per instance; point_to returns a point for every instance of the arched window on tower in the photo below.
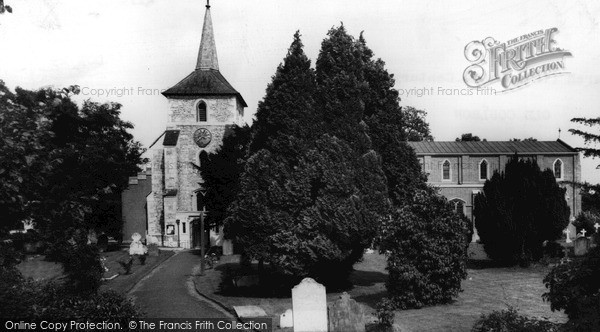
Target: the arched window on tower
pixel 483 170
pixel 201 112
pixel 558 169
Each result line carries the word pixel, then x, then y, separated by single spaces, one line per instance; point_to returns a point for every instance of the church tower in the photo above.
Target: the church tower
pixel 202 107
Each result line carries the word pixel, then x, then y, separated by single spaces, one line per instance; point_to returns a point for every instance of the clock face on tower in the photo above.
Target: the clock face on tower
pixel 202 137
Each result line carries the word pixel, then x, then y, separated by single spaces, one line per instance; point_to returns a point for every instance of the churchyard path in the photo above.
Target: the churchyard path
pixel 169 292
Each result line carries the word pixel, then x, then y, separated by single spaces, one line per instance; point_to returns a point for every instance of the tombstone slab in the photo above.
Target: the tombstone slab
pixel 249 311
pixel 309 306
pixel 581 246
pixel 286 319
pixel 346 315
pixel 227 247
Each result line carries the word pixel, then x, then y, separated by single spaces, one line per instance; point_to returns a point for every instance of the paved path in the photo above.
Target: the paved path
pixel 169 292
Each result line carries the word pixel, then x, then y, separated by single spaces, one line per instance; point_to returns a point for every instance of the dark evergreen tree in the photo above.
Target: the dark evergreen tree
pixel 518 210
pixel 310 201
pixel 221 172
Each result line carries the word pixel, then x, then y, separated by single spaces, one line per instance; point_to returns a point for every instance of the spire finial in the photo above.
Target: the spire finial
pixel 207 55
pixel 559 132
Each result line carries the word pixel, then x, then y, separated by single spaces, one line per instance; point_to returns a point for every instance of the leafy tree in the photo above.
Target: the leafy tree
pixel 588 137
pixel 518 210
pixel 427 250
pixel 575 288
pixel 79 158
pixel 415 126
pixel 469 138
pixel 221 172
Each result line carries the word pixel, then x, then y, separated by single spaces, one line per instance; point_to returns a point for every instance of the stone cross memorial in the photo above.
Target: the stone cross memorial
pixel 309 306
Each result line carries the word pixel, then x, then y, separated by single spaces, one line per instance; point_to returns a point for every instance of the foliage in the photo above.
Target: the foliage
pixel 25 299
pixel 221 172
pixel 575 288
pixel 313 191
pixel 416 128
pixel 385 312
pixel 590 197
pixel 469 138
pixel 528 139
pixel 588 137
pixel 586 220
pixel 511 321
pixel 518 210
pixel 426 244
pixel 5 8
pixel 63 167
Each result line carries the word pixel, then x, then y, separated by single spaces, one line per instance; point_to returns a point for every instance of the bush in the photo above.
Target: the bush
pixel 25 299
pixel 586 220
pixel 385 312
pixel 83 268
pixel 510 321
pixel 575 287
pixel 426 247
pixel 518 210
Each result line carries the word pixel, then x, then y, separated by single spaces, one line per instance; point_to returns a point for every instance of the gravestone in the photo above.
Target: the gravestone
pixel 249 311
pixel 227 247
pixel 581 246
pixel 346 315
pixel 309 306
pixel 286 319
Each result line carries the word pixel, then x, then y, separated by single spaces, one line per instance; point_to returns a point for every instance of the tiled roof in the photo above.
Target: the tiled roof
pixel 204 83
pixel 498 147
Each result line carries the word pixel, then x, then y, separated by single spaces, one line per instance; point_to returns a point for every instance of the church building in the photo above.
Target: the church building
pixel 460 169
pixel 202 107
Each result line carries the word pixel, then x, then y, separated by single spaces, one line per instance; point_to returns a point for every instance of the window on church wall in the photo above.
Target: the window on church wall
pixel 201 112
pixel 558 169
pixel 483 170
pixel 446 170
pixel 458 206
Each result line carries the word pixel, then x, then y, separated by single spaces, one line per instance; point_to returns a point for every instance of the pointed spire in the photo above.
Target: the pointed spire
pixel 207 55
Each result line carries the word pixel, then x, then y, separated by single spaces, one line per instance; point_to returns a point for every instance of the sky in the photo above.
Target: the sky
pixel 128 51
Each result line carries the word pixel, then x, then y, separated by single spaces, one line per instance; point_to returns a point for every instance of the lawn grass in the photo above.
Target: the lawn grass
pixel 39 269
pixel 486 288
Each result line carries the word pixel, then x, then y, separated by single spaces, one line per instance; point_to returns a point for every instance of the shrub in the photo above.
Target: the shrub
pixel 25 299
pixel 510 320
pixel 586 220
pixel 575 287
pixel 518 210
pixel 385 312
pixel 426 247
pixel 82 267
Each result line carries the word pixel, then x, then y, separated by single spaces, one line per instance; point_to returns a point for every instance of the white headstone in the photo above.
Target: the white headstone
pixel 596 226
pixel 309 305
pixel 567 232
pixel 286 319
pixel 583 231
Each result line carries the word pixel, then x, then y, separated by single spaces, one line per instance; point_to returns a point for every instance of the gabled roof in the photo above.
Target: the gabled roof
pixel 204 83
pixel 492 148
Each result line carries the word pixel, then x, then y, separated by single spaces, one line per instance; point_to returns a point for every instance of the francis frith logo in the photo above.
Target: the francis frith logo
pixel 514 63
